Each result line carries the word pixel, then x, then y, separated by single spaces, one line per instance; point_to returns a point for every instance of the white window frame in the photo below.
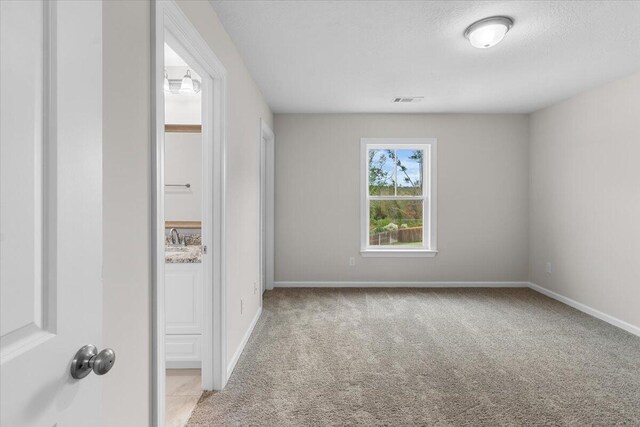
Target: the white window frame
pixel 429 164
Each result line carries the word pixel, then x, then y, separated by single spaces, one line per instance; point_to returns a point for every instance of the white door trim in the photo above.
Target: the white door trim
pixel 171 25
pixel 267 173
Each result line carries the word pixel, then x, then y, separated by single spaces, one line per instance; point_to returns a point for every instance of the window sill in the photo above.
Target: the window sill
pixel 399 253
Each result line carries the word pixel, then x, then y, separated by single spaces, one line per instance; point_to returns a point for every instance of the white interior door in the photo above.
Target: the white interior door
pixel 51 210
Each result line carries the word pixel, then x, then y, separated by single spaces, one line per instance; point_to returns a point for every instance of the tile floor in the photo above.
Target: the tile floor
pixel 183 392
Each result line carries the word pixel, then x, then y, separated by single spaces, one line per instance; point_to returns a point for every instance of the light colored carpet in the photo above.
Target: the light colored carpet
pixel 463 357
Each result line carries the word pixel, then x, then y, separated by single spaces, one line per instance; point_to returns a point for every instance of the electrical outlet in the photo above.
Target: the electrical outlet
pixel 241 305
pixel 352 261
pixel 548 268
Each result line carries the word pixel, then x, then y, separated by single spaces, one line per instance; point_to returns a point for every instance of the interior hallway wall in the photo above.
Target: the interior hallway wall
pixel 127 192
pixel 126 213
pixel 482 203
pixel 585 198
pixel 246 106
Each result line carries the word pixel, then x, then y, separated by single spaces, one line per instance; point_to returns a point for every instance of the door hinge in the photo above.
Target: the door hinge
pixel 204 249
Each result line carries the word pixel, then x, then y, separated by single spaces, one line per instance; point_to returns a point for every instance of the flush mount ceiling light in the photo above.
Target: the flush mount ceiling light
pixel 488 32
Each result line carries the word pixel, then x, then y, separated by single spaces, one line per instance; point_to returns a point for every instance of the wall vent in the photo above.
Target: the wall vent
pixel 407 99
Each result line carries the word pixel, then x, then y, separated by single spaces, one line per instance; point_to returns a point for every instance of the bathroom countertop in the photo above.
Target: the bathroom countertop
pixel 186 254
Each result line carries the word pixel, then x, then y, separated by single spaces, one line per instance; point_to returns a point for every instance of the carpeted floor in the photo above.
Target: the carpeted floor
pixel 463 357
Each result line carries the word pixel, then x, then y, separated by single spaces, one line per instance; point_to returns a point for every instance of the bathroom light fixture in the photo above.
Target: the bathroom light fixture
pixel 488 32
pixel 184 86
pixel 167 87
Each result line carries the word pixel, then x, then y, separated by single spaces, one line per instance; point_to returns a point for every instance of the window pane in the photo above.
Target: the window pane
pixel 381 173
pixel 409 173
pixel 395 223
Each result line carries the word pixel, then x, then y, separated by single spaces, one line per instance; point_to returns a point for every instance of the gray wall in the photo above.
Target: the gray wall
pixel 483 178
pixel 585 198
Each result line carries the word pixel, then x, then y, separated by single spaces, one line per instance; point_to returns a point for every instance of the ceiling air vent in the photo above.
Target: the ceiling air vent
pixel 407 99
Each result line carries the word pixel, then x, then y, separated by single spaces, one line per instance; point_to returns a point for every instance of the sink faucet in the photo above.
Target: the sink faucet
pixel 175 241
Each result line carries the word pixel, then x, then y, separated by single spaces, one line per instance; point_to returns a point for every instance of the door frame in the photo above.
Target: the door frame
pixel 170 24
pixel 267 181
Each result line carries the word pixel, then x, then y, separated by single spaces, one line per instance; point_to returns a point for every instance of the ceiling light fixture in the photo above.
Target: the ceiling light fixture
pixel 488 32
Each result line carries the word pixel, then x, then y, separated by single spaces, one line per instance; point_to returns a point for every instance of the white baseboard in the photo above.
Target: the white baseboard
pixel 401 284
pixel 243 343
pixel 635 330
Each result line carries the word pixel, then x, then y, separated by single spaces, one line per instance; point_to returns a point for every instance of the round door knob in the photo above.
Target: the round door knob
pixel 104 361
pixel 88 359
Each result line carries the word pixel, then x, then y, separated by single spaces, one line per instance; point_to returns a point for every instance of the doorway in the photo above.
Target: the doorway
pixel 189 298
pixel 185 253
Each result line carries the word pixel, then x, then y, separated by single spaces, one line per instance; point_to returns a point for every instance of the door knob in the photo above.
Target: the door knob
pixel 88 359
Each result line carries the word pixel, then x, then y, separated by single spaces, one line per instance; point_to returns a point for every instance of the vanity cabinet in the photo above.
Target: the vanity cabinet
pixel 184 315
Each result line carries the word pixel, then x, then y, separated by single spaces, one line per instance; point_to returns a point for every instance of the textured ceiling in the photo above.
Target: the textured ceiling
pixel 355 56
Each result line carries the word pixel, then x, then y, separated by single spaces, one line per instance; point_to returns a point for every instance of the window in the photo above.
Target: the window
pixel 398 192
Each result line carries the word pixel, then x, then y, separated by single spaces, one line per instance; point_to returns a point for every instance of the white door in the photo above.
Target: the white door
pixel 51 210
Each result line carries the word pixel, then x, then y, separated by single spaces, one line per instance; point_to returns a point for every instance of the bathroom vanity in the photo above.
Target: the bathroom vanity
pixel 183 305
